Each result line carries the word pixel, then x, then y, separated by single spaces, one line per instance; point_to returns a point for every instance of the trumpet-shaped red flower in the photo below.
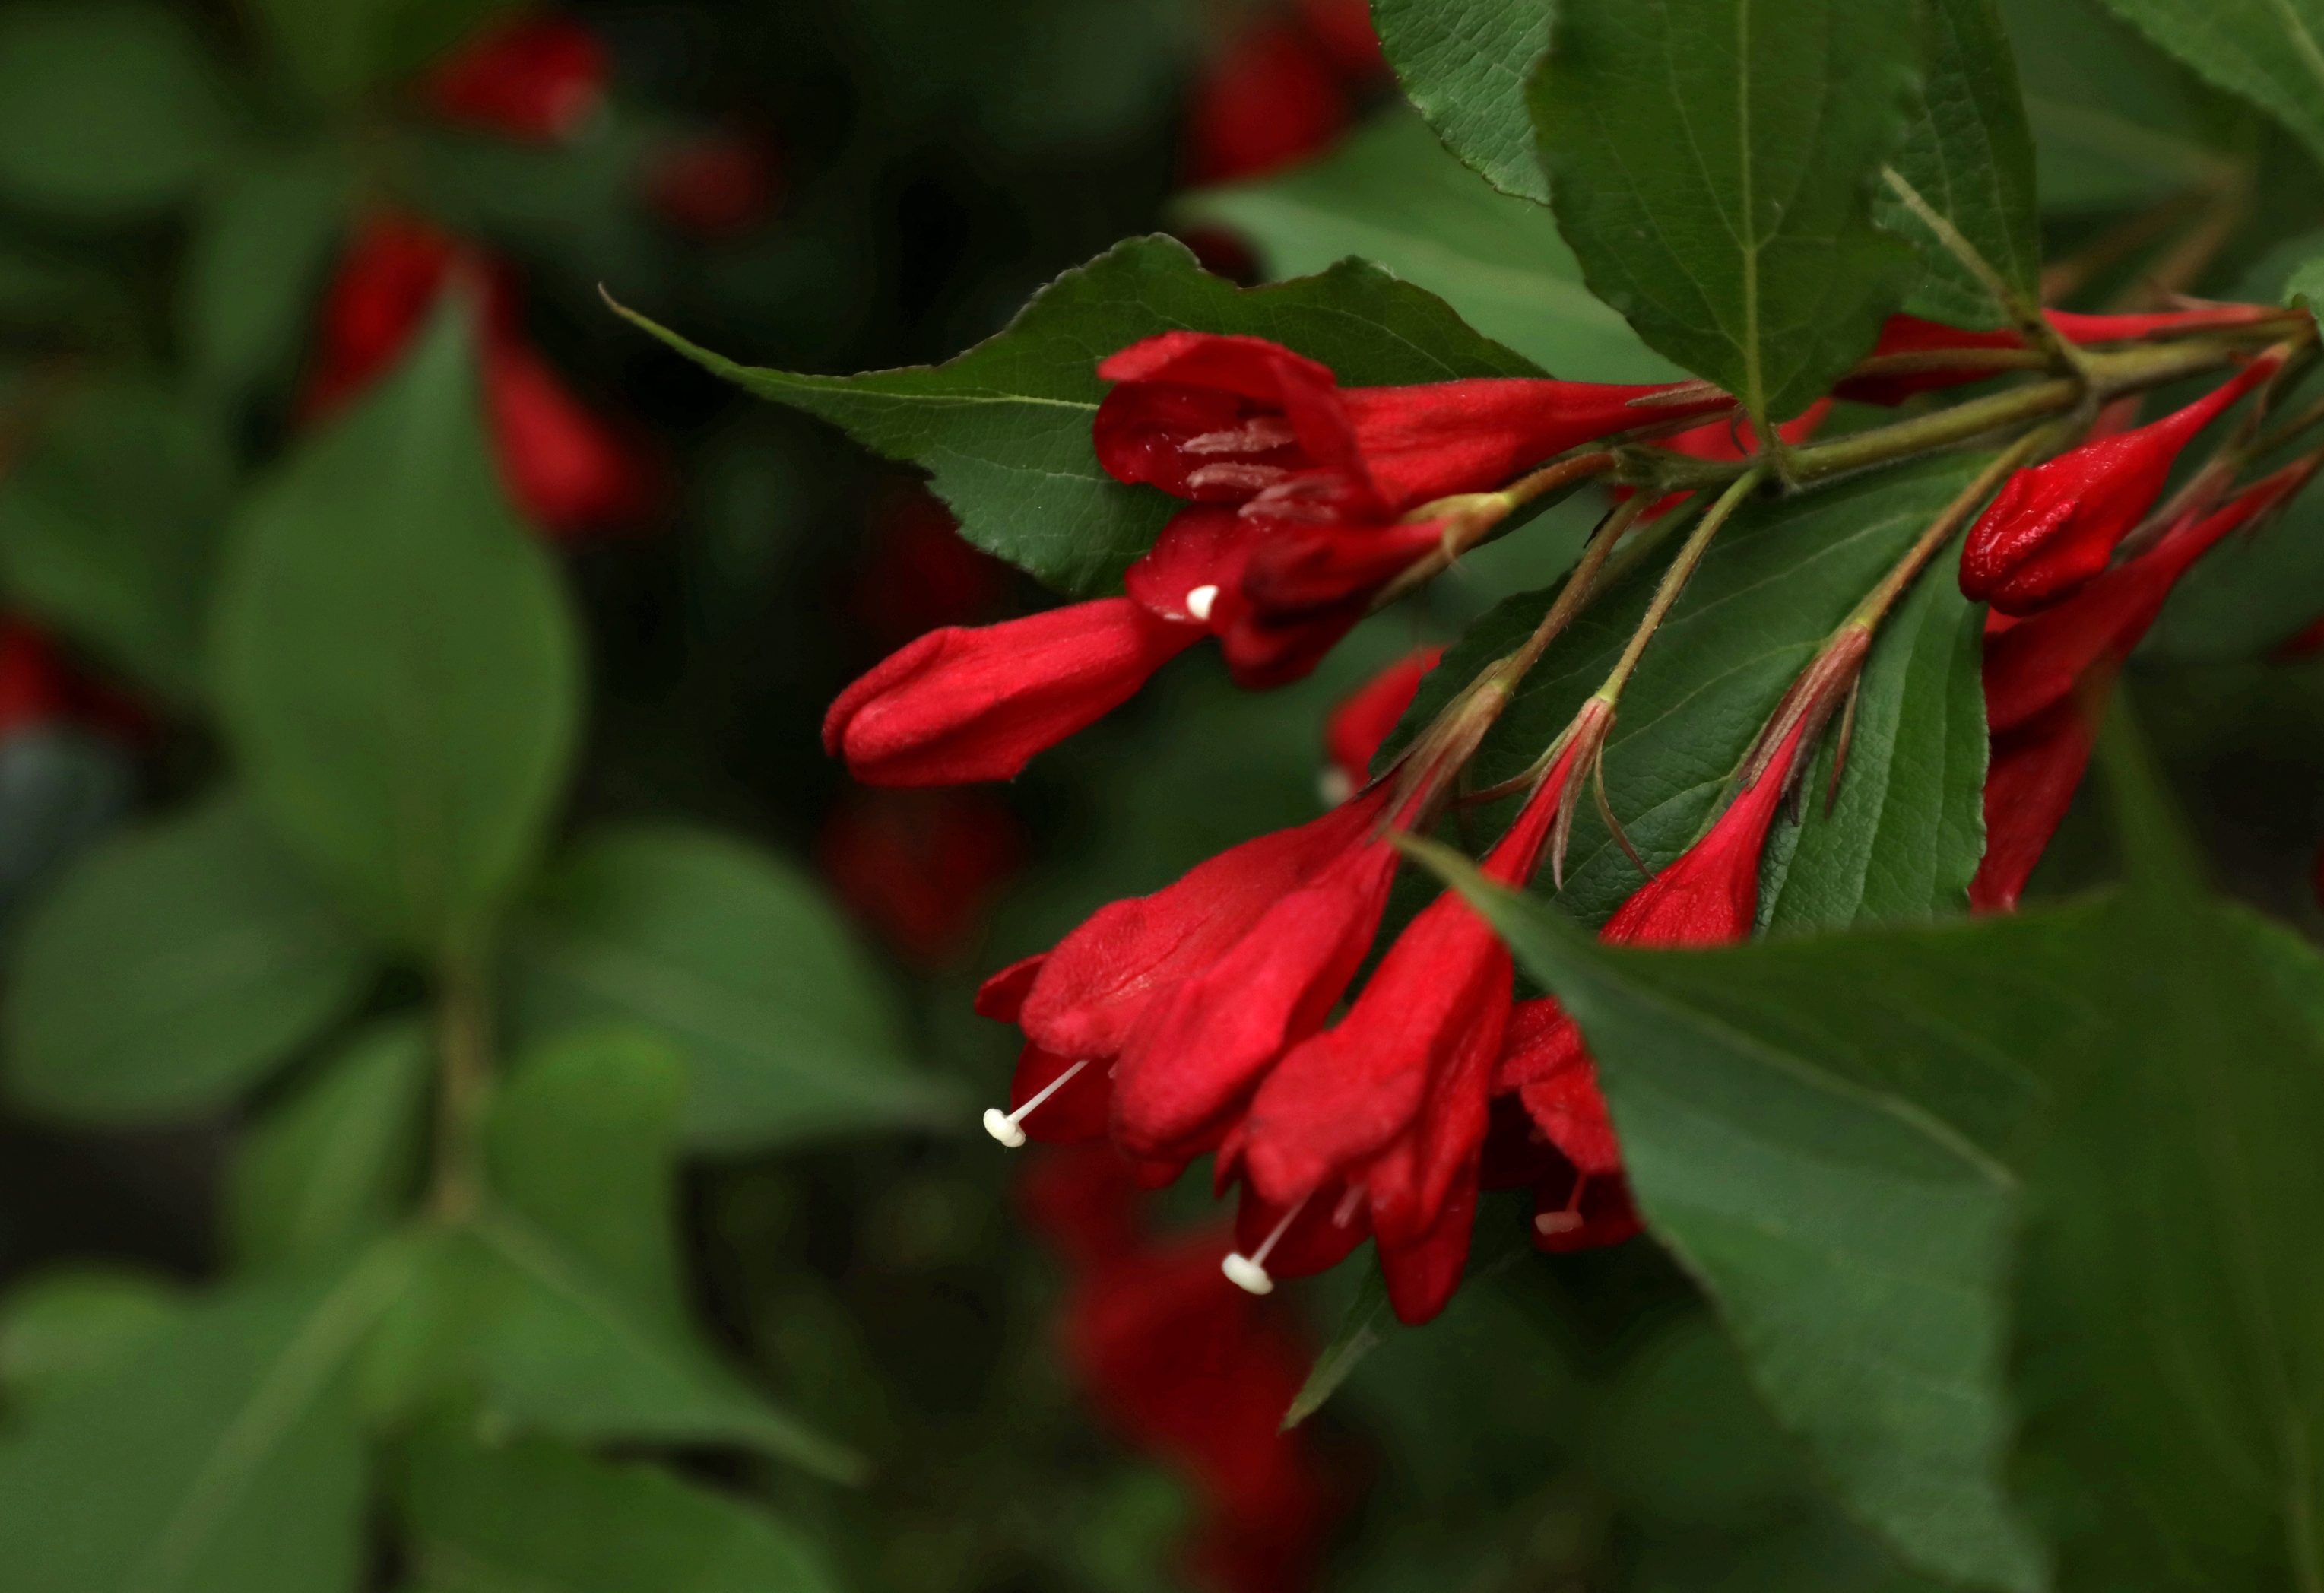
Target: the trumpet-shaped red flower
pixel 530 77
pixel 1926 343
pixel 1194 1372
pixel 1393 1100
pixel 1239 420
pixel 1362 719
pixel 2046 676
pixel 566 468
pixel 1581 1200
pixel 2053 526
pixel 964 704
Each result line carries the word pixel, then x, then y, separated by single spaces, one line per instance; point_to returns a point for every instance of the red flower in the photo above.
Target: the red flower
pixel 1271 97
pixel 1240 419
pixel 921 867
pixel 1189 1370
pixel 1344 29
pixel 2054 525
pixel 530 77
pixel 1393 1100
pixel 1362 719
pixel 1926 343
pixel 1581 1200
pixel 960 705
pixel 921 573
pixel 565 468
pixel 2046 674
pixel 715 185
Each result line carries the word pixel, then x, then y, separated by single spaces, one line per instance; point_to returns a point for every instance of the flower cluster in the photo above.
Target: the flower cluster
pixel 1222 1015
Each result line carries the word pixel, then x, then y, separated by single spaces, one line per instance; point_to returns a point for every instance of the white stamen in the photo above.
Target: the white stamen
pixel 1249 1272
pixel 1199 601
pixel 1002 1126
pixel 1335 786
pixel 1346 1212
pixel 1569 1219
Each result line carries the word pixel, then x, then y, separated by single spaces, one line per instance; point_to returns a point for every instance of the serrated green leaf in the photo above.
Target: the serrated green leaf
pixel 1713 167
pixel 1903 838
pixel 1004 428
pixel 109 109
pixel 260 238
pixel 172 970
pixel 2270 52
pixel 1464 64
pixel 61 1330
pixel 1830 1168
pixel 109 528
pixel 327 1171
pixel 223 1457
pixel 1393 195
pixel 788 1032
pixel 1777 579
pixel 534 1517
pixel 1968 155
pixel 396 660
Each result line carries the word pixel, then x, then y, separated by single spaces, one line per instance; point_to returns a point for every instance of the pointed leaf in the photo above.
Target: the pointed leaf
pixel 1713 167
pixel 546 1519
pixel 396 660
pixel 1004 428
pixel 788 1032
pixel 329 1170
pixel 1968 155
pixel 1464 64
pixel 172 970
pixel 1393 194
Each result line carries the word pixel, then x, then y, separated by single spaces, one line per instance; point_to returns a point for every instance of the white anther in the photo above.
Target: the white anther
pixel 1557 1222
pixel 1002 1126
pixel 1199 601
pixel 1335 786
pixel 1249 1272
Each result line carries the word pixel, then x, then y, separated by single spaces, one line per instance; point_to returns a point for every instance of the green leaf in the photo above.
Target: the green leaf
pixel 1777 579
pixel 261 240
pixel 1392 195
pixel 1968 155
pixel 534 1517
pixel 2270 52
pixel 109 109
pixel 788 1033
pixel 60 1330
pixel 330 1169
pixel 1004 428
pixel 109 528
pixel 171 969
pixel 1904 838
pixel 224 1457
pixel 1464 64
pixel 1713 168
pixel 560 1303
pixel 583 1141
pixel 397 663
pixel 2306 288
pixel 1363 1328
pixel 1783 1138
pixel 337 48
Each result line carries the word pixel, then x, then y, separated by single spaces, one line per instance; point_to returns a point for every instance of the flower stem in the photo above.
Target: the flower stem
pixel 1965 504
pixel 1580 586
pixel 1674 578
pixel 464 1046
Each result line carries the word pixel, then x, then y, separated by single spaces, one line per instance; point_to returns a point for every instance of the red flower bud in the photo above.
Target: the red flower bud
pixel 1234 419
pixel 1363 720
pixel 2029 785
pixel 1909 335
pixel 715 185
pixel 530 76
pixel 961 705
pixel 567 468
pixel 2054 525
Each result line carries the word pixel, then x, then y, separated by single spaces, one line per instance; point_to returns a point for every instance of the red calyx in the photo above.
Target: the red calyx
pixel 530 76
pixel 2053 526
